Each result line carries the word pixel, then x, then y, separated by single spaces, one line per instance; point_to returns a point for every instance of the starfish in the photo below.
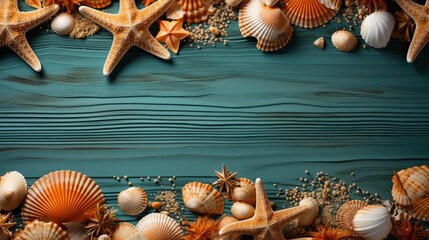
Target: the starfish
pixel 5 225
pixel 171 33
pixel 130 27
pixel 266 224
pixel 226 181
pixel 14 24
pixel 420 14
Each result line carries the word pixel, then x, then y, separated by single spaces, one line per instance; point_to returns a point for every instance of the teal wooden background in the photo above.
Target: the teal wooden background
pixel 268 115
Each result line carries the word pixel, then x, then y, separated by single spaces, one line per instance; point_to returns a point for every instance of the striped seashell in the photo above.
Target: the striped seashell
pixel 202 198
pixel 104 237
pixel 42 231
pixel 395 211
pixel 269 25
pixel 96 3
pixel 39 3
pixel 174 12
pixel 196 11
pixel 347 212
pixel 13 188
pixel 127 231
pixel 233 3
pixel 308 13
pixel 158 226
pixel 332 4
pixel 225 220
pixel 132 201
pixel 61 197
pixel 63 24
pixel 372 222
pixel 319 43
pixel 377 28
pixel 241 210
pixel 245 192
pixel 311 215
pixel 344 40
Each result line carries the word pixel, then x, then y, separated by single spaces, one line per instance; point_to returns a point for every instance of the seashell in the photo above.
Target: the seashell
pixel 233 3
pixel 241 210
pixel 347 212
pixel 377 28
pixel 344 40
pixel 127 231
pixel 269 25
pixel 308 218
pixel 157 226
pixel 225 220
pixel 39 3
pixel 372 222
pixel 156 205
pixel 319 43
pixel 245 192
pixel 96 3
pixel 202 198
pixel 76 231
pixel 332 4
pixel 63 24
pixel 42 231
pixel 270 3
pixel 13 189
pixel 104 237
pixel 196 11
pixel 61 197
pixel 132 201
pixel 174 12
pixel 308 13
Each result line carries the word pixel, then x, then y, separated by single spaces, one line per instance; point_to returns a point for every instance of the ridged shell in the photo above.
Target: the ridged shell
pixel 269 25
pixel 347 212
pixel 372 222
pixel 38 3
pixel 377 28
pixel 13 189
pixel 308 218
pixel 225 220
pixel 308 13
pixel 174 12
pixel 195 11
pixel 42 231
pixel 63 24
pixel 202 198
pixel 61 197
pixel 96 3
pixel 157 226
pixel 104 237
pixel 127 231
pixel 233 3
pixel 245 192
pixel 319 43
pixel 344 40
pixel 332 4
pixel 132 201
pixel 241 210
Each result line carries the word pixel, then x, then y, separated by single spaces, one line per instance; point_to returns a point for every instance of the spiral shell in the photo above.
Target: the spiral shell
pixel 157 226
pixel 347 212
pixel 344 40
pixel 202 198
pixel 245 192
pixel 127 231
pixel 372 222
pixel 196 11
pixel 308 218
pixel 13 188
pixel 376 28
pixel 42 231
pixel 241 210
pixel 132 201
pixel 63 24
pixel 308 13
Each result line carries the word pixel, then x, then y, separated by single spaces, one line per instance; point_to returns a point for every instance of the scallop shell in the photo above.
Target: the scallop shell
pixel 269 25
pixel 63 24
pixel 157 226
pixel 225 220
pixel 347 212
pixel 332 4
pixel 319 43
pixel 39 3
pixel 233 3
pixel 61 197
pixel 202 198
pixel 174 12
pixel 104 237
pixel 241 210
pixel 42 231
pixel 132 201
pixel 372 222
pixel 344 40
pixel 308 13
pixel 127 231
pixel 376 28
pixel 245 192
pixel 96 3
pixel 308 218
pixel 196 11
pixel 13 189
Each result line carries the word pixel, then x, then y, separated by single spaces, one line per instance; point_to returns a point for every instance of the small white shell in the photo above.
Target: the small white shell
pixel 132 201
pixel 372 222
pixel 344 40
pixel 377 27
pixel 158 226
pixel 242 210
pixel 13 189
pixel 245 192
pixel 63 24
pixel 233 3
pixel 104 237
pixel 319 43
pixel 308 218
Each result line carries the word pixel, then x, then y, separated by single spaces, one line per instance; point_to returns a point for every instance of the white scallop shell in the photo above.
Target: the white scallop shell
pixel 377 27
pixel 372 222
pixel 132 201
pixel 332 4
pixel 202 198
pixel 308 218
pixel 344 40
pixel 157 226
pixel 63 24
pixel 127 231
pixel 245 192
pixel 42 231
pixel 241 210
pixel 13 189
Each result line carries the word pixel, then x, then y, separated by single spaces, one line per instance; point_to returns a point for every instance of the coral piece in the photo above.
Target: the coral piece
pixel 204 228
pixel 102 221
pixel 406 230
pixel 171 33
pixel 83 27
pixel 329 233
pixel 5 224
pixel 374 5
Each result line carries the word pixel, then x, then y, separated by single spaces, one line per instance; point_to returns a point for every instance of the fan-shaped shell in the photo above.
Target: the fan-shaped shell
pixel 157 226
pixel 308 13
pixel 104 237
pixel 225 220
pixel 241 210
pixel 127 231
pixel 347 212
pixel 332 4
pixel 132 201
pixel 269 25
pixel 42 231
pixel 13 189
pixel 319 43
pixel 376 28
pixel 233 3
pixel 202 198
pixel 38 3
pixel 372 222
pixel 245 192
pixel 308 218
pixel 196 11
pixel 96 3
pixel 61 197
pixel 63 24
pixel 344 40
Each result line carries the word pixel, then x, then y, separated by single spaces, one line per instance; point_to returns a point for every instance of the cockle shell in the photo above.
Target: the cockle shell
pixel 157 226
pixel 377 28
pixel 196 11
pixel 241 210
pixel 225 220
pixel 37 230
pixel 202 198
pixel 319 43
pixel 127 231
pixel 132 201
pixel 332 4
pixel 269 25
pixel 61 197
pixel 347 212
pixel 372 222
pixel 63 24
pixel 13 188
pixel 344 40
pixel 308 13
pixel 245 192
pixel 308 218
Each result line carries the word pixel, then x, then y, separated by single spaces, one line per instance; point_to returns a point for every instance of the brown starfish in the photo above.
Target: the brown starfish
pixel 5 225
pixel 420 14
pixel 103 221
pixel 14 24
pixel 266 224
pixel 226 181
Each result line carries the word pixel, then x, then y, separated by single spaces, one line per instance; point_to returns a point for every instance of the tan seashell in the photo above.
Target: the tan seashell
pixel 104 237
pixel 13 189
pixel 174 12
pixel 132 201
pixel 156 205
pixel 241 210
pixel 269 25
pixel 196 11
pixel 157 226
pixel 202 198
pixel 347 212
pixel 308 218
pixel 372 222
pixel 245 192
pixel 42 231
pixel 127 231
pixel 96 3
pixel 63 24
pixel 308 13
pixel 61 197
pixel 319 43
pixel 225 220
pixel 344 40
pixel 233 3
pixel 332 4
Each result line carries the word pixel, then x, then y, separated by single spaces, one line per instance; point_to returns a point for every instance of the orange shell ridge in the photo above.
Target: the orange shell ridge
pixel 126 230
pixel 158 226
pixel 196 11
pixel 96 3
pixel 202 198
pixel 37 230
pixel 245 192
pixel 308 13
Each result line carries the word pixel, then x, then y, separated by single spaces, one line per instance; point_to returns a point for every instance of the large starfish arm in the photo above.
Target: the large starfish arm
pixel 285 216
pixel 417 43
pixel 21 47
pixel 410 7
pixel 148 43
pixel 150 14
pixel 239 227
pixel 36 17
pixel 103 19
pixel 118 50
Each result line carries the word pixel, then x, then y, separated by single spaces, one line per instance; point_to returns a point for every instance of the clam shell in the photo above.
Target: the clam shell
pixel 63 24
pixel 127 231
pixel 308 218
pixel 269 25
pixel 308 13
pixel 13 188
pixel 344 40
pixel 347 212
pixel 376 28
pixel 241 210
pixel 372 222
pixel 202 198
pixel 157 226
pixel 332 4
pixel 225 220
pixel 132 201
pixel 42 231
pixel 319 43
pixel 245 192
pixel 196 11
pixel 61 197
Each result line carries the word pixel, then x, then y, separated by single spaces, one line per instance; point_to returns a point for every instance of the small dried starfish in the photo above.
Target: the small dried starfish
pixel 171 33
pixel 226 181
pixel 5 225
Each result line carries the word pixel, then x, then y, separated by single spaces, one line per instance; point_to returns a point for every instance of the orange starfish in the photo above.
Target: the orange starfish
pixel 14 24
pixel 130 27
pixel 171 33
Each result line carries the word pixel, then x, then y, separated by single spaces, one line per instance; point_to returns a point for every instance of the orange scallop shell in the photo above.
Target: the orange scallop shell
pixel 195 11
pixel 96 3
pixel 37 230
pixel 347 212
pixel 202 198
pixel 61 197
pixel 308 13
